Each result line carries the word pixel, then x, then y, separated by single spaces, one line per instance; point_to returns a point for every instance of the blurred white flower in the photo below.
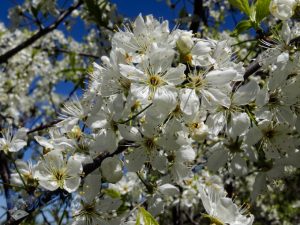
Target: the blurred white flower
pixel 13 142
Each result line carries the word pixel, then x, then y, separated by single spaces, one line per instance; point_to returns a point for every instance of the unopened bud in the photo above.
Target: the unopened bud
pixel 185 44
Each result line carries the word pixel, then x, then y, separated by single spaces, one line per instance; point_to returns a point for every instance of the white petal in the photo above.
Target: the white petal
pixel 219 77
pixel 54 159
pixel 136 159
pixel 132 73
pixel 239 124
pixel 140 91
pixel 253 136
pixel 179 171
pixel 165 96
pixel 91 187
pixel 239 165
pixel 216 122
pixel 74 167
pixel 217 159
pixel 168 189
pixel 43 142
pixel 189 101
pixel 72 184
pixel 159 161
pixel 246 93
pixel 185 153
pixel 48 184
pixel 111 168
pixel 212 97
pixel 129 133
pixel 201 48
pixel 106 141
pixel 17 145
pixel 176 75
pixel 262 97
pixel 259 185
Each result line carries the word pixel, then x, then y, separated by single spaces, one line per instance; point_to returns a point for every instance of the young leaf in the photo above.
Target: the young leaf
pixel 138 218
pixel 242 26
pixel 242 5
pixel 113 193
pixel 147 217
pixel 262 9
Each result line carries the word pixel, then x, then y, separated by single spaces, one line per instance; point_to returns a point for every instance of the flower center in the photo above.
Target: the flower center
pixel 60 176
pixel 89 208
pixel 155 81
pixel 150 143
pixel 194 126
pixel 234 146
pixel 177 111
pixel 187 58
pixel 125 83
pixel 5 148
pixel 274 98
pixel 213 220
pixel 114 125
pixel 269 134
pixel 196 82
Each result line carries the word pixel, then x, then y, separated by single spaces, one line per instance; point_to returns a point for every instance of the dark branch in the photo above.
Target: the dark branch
pixel 255 66
pixel 5 176
pixel 251 69
pixel 198 15
pixel 40 33
pixel 83 54
pixel 44 126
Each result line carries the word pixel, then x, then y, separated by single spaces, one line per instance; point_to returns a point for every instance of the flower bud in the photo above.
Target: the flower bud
pixel 185 44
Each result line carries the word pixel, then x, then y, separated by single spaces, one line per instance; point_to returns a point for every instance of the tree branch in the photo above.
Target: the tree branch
pixel 40 33
pixel 83 54
pixel 251 69
pixel 198 15
pixel 44 126
pixel 255 66
pixel 5 176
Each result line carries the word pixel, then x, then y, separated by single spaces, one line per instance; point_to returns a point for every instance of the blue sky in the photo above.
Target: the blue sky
pixel 128 8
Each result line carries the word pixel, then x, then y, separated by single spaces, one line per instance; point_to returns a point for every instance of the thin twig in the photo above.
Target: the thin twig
pixel 44 126
pixel 62 50
pixel 40 33
pixel 5 176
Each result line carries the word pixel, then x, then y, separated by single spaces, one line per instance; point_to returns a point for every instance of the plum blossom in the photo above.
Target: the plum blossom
pixel 13 142
pixel 56 172
pixel 221 209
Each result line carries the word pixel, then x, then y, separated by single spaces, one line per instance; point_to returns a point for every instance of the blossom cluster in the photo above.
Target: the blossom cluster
pixel 161 105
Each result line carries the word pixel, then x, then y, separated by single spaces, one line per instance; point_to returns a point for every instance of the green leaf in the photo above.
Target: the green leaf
pixel 242 26
pixel 113 193
pixel 138 218
pixel 147 217
pixel 262 9
pixel 242 5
